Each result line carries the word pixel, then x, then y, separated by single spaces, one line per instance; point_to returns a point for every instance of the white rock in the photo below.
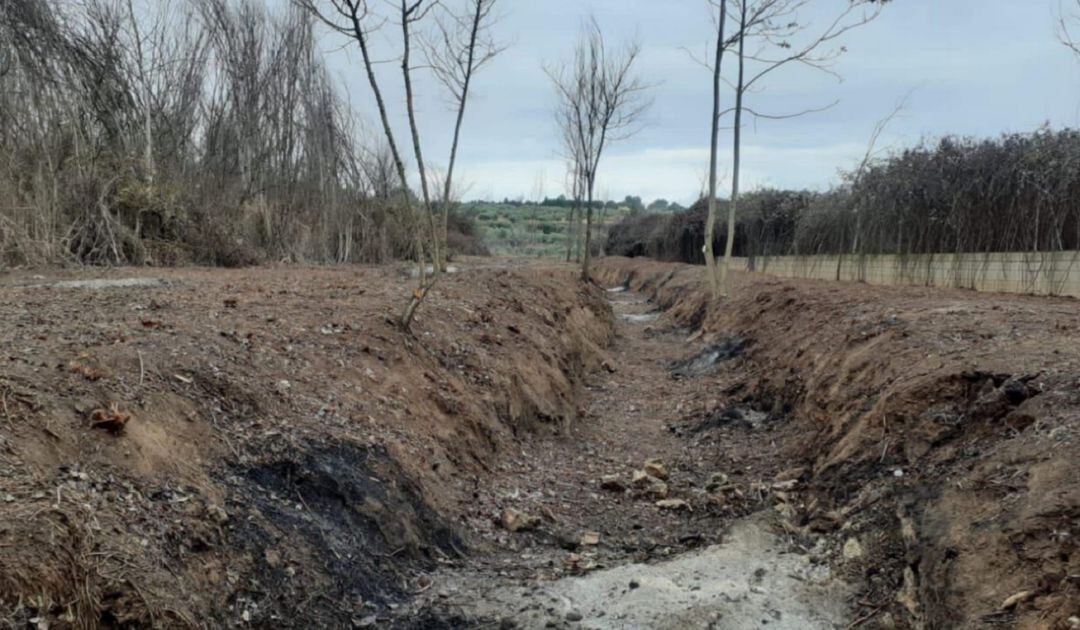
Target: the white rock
pixel 852 549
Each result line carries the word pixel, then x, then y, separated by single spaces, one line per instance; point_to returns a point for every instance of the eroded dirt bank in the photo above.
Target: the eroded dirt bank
pixel 636 516
pixel 933 435
pixel 263 447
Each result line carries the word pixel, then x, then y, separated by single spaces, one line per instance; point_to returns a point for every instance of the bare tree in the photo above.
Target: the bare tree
pixel 1068 25
pixel 355 19
pixel 714 145
pixel 601 100
pixel 566 117
pixel 781 40
pixel 463 46
pixel 860 170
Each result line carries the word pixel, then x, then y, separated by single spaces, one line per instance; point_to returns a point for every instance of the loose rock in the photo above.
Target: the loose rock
pixel 1014 600
pixel 516 520
pixel 852 549
pixel 674 505
pixel 656 468
pixel 716 481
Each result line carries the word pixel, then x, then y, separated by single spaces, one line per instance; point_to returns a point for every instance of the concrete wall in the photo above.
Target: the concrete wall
pixel 1051 273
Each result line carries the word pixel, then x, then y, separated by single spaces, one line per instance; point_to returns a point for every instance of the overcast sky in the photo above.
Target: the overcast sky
pixel 977 67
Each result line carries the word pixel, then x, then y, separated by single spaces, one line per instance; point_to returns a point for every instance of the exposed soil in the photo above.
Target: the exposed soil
pixel 635 411
pixel 263 447
pixel 938 430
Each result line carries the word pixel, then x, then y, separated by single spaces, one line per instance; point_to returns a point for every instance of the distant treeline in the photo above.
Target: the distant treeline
pixel 635 204
pixel 1018 192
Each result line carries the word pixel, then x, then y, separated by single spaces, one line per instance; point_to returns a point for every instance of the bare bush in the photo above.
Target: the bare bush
pixel 192 130
pixel 1015 193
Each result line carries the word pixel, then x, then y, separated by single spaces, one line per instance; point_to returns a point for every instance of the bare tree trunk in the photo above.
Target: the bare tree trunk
pixel 478 17
pixel 729 246
pixel 407 12
pixel 589 182
pixel 714 148
pixel 570 231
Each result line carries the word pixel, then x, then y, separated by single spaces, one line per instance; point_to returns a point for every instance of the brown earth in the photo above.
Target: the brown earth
pixel 263 446
pixel 271 451
pixel 938 428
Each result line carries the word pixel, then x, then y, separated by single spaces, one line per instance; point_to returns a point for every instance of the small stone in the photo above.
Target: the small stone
pixel 657 489
pixel 651 486
pixel 283 386
pixel 1014 600
pixel 674 505
pixel 786 510
pixel 589 539
pixel 786 486
pixel 516 520
pixel 716 481
pixel 573 615
pixel 273 558
pixel 366 622
pixel 852 549
pixel 656 468
pixel 634 584
pixel 1074 622
pixel 612 483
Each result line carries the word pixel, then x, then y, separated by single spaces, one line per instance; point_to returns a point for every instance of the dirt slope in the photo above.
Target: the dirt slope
pixel 607 546
pixel 939 430
pixel 263 447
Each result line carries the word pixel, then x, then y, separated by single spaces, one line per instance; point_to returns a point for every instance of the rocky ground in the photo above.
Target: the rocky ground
pixel 637 518
pixel 263 447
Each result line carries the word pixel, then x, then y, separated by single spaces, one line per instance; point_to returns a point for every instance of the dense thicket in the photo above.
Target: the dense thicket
pixel 201 130
pixel 1019 192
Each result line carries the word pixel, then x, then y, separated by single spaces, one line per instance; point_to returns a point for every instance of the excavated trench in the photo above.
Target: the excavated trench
pixel 836 457
pixel 712 553
pixel 802 455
